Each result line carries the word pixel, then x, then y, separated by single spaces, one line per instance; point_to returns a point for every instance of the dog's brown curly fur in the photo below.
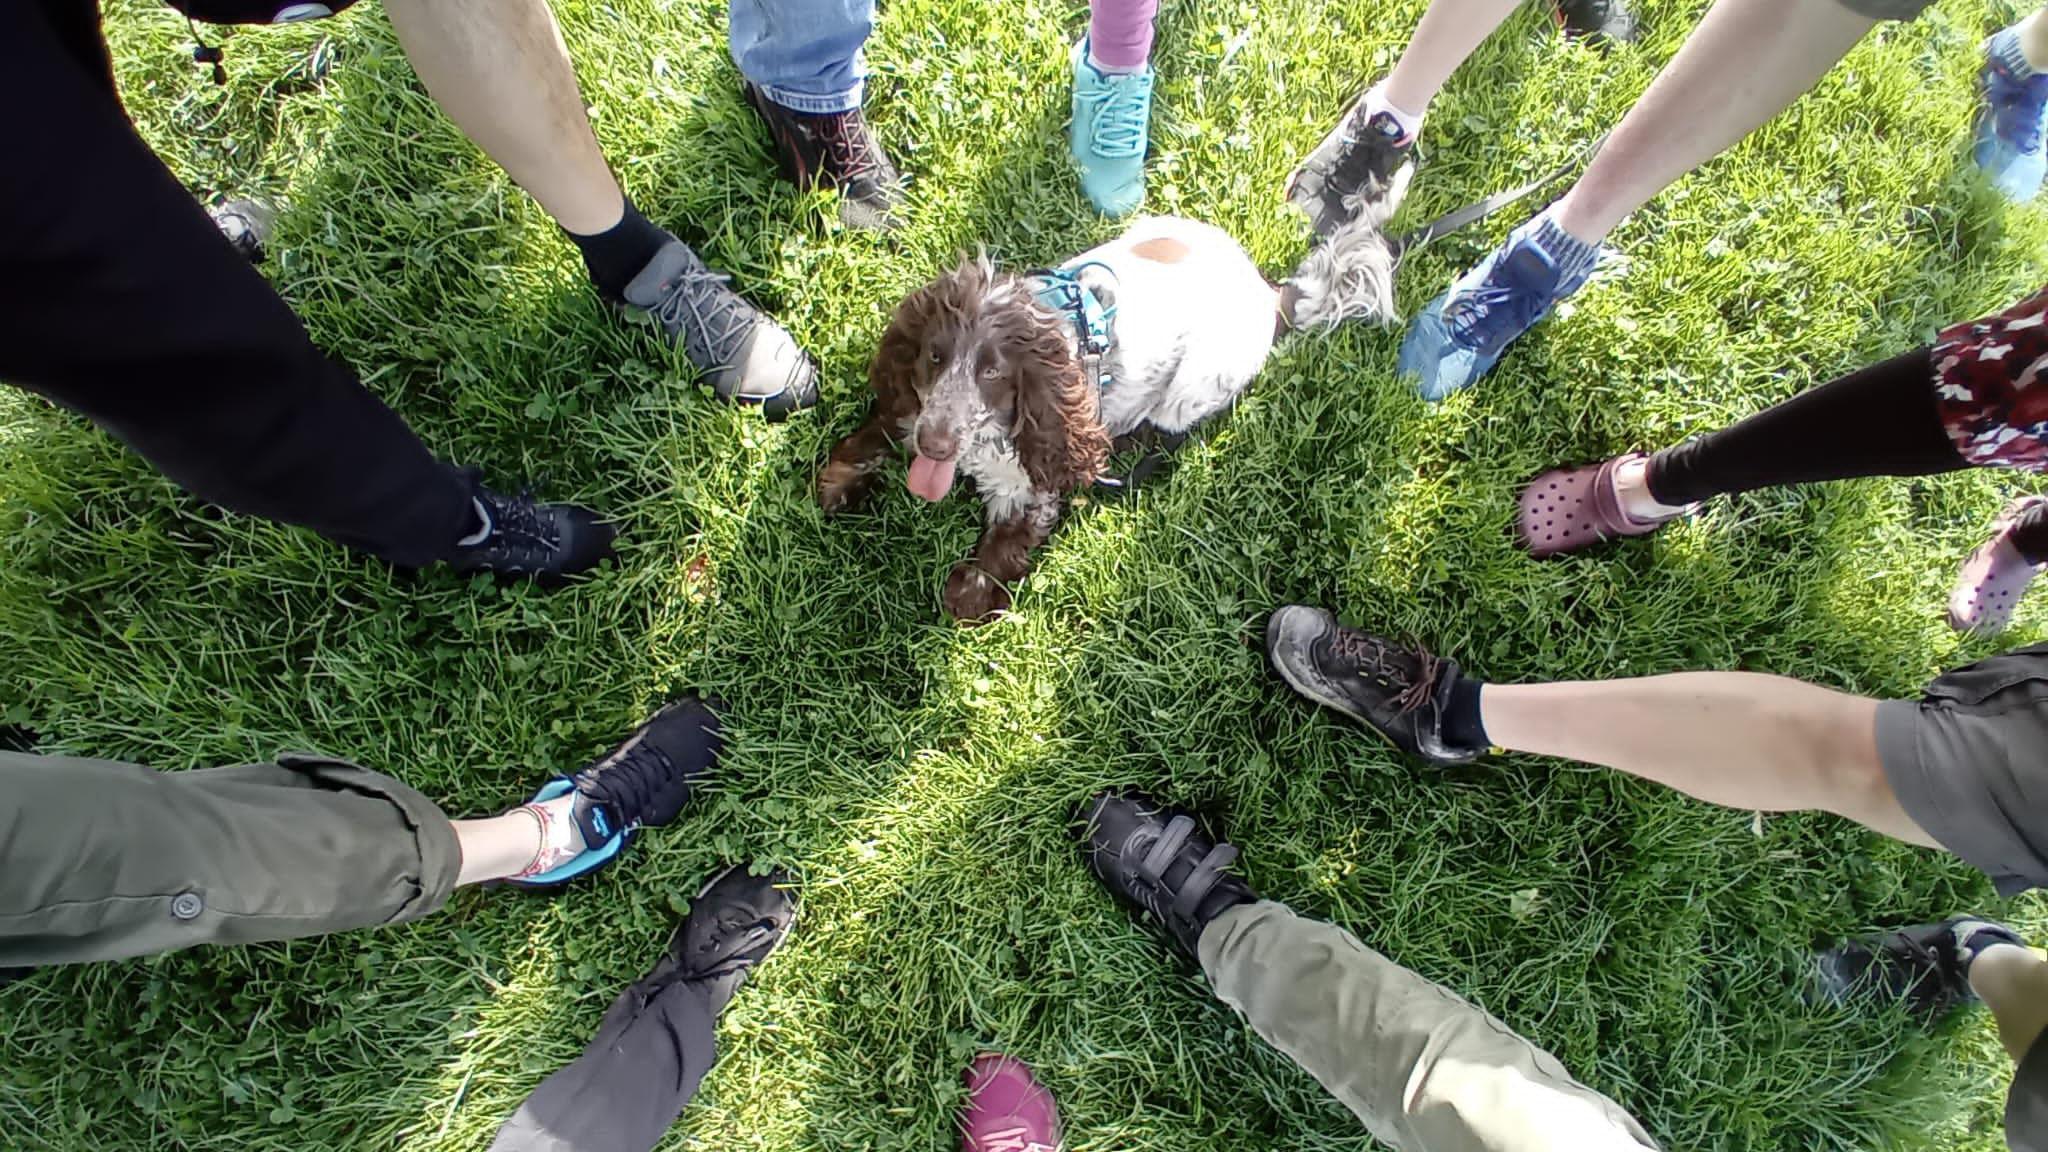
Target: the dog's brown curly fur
pixel 1055 424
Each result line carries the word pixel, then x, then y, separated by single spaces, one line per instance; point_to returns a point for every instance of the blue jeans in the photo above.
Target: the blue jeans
pixel 805 54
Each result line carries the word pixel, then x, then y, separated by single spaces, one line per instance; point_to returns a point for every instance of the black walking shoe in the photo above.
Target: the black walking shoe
pixel 1927 967
pixel 1610 20
pixel 834 150
pixel 1156 860
pixel 743 354
pixel 735 922
pixel 643 783
pixel 1361 166
pixel 245 225
pixel 1399 692
pixel 547 543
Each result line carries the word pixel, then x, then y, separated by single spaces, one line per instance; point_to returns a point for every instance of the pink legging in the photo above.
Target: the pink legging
pixel 1120 32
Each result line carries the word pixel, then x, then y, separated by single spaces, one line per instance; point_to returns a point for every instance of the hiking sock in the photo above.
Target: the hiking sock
pixel 1574 257
pixel 2005 47
pixel 1463 727
pixel 1376 103
pixel 617 254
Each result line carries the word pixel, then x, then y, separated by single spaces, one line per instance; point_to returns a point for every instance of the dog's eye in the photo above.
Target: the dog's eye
pixel 990 371
pixel 937 357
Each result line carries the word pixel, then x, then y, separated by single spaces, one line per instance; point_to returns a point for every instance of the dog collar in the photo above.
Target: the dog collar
pixel 1061 290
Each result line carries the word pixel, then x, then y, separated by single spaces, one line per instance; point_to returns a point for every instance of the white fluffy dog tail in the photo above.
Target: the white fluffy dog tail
pixel 1350 276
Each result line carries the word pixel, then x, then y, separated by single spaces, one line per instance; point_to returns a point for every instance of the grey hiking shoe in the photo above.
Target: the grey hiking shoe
pixel 744 355
pixel 1925 967
pixel 1361 169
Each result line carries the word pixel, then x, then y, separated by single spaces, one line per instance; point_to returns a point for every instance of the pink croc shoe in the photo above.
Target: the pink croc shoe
pixel 1567 509
pixel 1007 1109
pixel 1995 576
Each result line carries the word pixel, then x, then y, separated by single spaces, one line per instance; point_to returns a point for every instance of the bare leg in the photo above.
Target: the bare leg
pixel 1732 738
pixel 1448 33
pixel 498 847
pixel 1744 64
pixel 499 69
pixel 2034 39
pixel 2013 983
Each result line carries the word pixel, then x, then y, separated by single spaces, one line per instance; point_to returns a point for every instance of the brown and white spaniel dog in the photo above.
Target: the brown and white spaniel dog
pixel 1022 382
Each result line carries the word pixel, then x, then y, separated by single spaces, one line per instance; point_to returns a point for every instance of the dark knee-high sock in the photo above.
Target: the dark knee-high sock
pixel 1880 421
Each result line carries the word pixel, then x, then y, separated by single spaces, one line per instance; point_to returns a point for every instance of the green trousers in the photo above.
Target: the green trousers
pixel 1424 1070
pixel 103 861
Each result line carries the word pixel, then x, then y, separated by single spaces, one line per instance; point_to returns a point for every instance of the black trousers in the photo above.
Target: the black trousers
pixel 120 300
pixel 1879 421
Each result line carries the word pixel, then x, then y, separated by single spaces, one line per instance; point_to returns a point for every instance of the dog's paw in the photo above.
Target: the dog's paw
pixel 973 596
pixel 842 485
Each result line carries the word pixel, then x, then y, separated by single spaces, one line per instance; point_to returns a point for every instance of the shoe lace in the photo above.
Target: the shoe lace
pixel 517 527
pixel 712 318
pixel 1507 303
pixel 1122 117
pixel 1375 657
pixel 2019 107
pixel 850 149
pixel 632 780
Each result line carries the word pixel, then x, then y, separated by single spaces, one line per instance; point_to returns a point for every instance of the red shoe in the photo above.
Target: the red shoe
pixel 1007 1109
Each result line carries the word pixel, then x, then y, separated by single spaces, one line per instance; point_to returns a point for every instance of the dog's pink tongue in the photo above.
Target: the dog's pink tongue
pixel 930 478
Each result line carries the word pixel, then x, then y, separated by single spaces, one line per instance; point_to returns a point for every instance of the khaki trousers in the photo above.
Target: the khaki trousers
pixel 1424 1070
pixel 103 861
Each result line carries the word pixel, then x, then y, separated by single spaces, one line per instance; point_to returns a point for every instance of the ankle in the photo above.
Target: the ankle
pixel 1632 493
pixel 1378 99
pixel 1119 65
pixel 2024 46
pixel 560 840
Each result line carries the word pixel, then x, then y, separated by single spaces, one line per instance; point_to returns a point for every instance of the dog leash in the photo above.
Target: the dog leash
pixel 1459 219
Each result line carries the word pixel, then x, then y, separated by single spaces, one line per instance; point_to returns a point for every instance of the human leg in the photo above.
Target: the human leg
pixel 500 70
pixel 1732 738
pixel 658 1038
pixel 107 861
pixel 1423 1070
pixel 1745 62
pixel 207 374
pixel 1361 168
pixel 1112 105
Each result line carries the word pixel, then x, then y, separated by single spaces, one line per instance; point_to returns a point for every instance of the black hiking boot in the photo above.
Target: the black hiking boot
pixel 522 538
pixel 1401 693
pixel 1156 860
pixel 735 922
pixel 1361 167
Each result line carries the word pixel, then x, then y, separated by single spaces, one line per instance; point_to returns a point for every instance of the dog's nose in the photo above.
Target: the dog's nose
pixel 936 445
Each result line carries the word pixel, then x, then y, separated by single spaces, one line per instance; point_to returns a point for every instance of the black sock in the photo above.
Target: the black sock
pixel 1462 727
pixel 617 254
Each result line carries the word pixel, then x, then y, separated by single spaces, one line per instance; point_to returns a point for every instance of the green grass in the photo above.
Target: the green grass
pixel 918 776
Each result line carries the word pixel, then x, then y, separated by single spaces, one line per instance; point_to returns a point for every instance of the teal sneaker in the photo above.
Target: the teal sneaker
pixel 1112 119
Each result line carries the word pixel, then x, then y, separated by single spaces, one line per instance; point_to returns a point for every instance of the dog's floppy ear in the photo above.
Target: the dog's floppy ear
pixel 1059 435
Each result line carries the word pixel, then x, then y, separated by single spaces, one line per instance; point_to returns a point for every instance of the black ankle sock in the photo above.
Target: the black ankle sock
pixel 1462 727
pixel 2030 534
pixel 617 254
